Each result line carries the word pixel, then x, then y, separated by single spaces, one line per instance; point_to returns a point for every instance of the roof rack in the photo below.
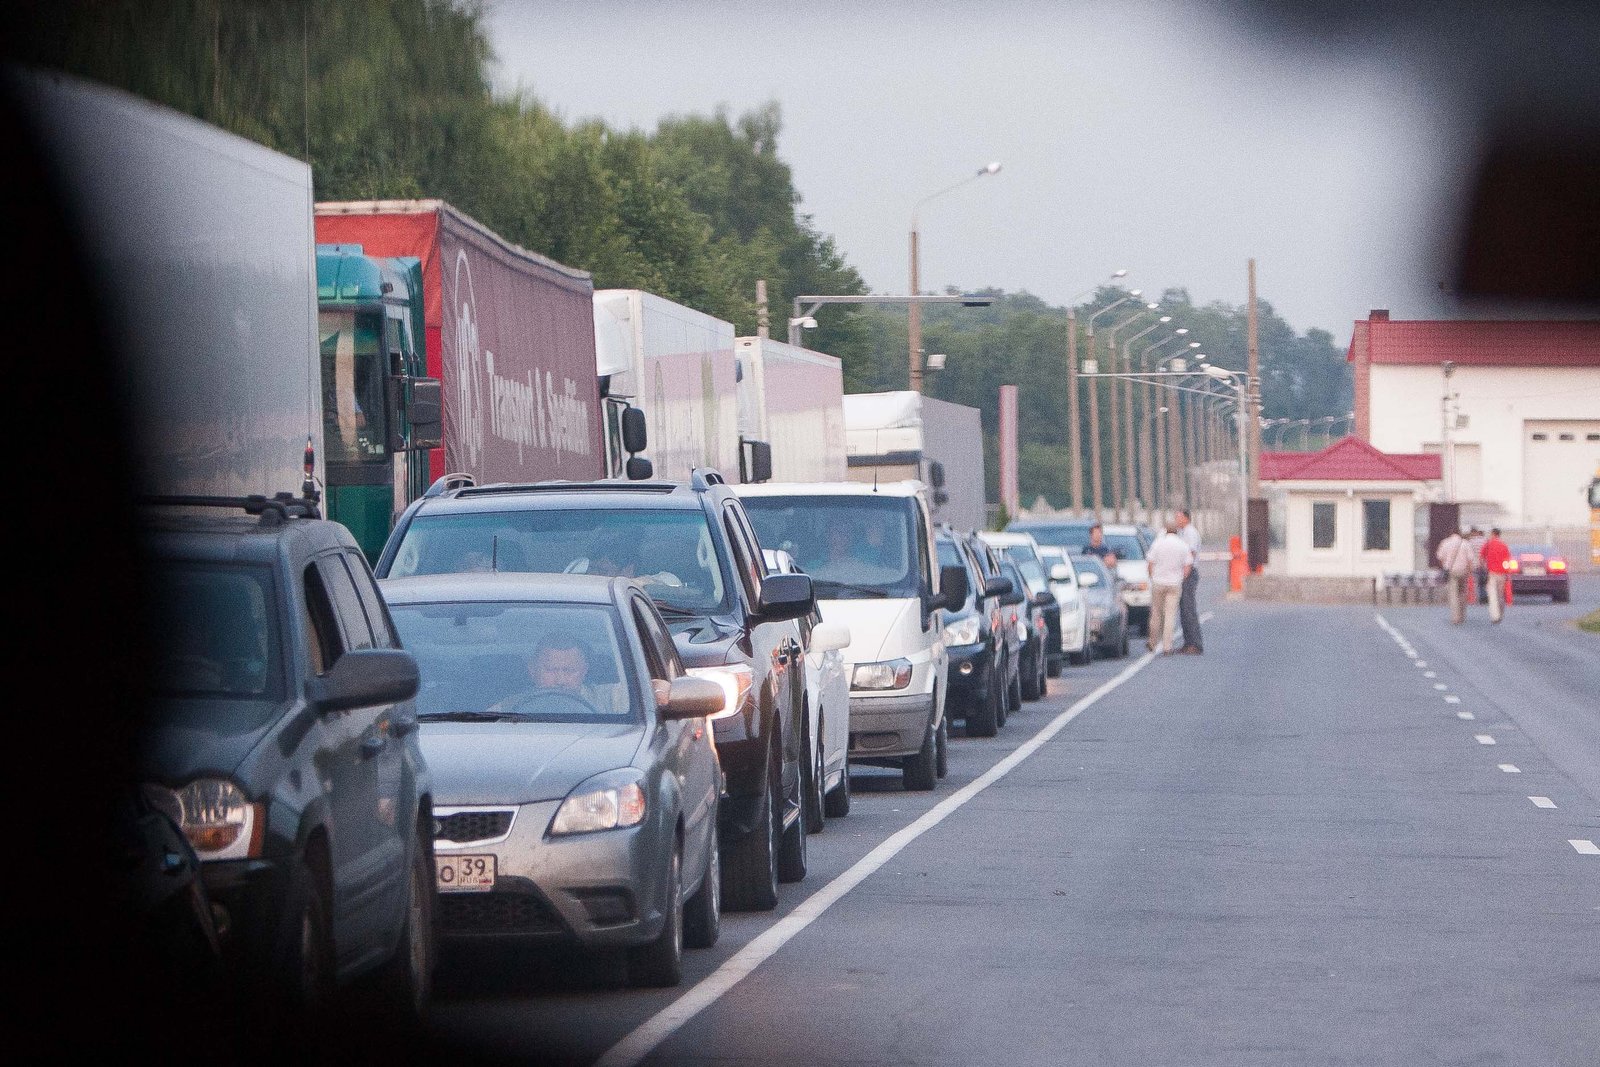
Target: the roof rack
pixel 702 478
pixel 273 510
pixel 450 481
pixel 616 485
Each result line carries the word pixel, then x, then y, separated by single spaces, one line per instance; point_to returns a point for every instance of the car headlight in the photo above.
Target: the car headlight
pixel 605 802
pixel 890 674
pixel 963 631
pixel 214 814
pixel 736 679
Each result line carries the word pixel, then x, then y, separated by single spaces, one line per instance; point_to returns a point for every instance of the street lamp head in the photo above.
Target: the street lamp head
pixel 1194 344
pixel 1123 273
pixel 1153 307
pixel 1181 330
pixel 992 168
pixel 1137 292
pixel 1165 318
pixel 971 301
pixel 1215 372
pixel 936 360
pixel 805 322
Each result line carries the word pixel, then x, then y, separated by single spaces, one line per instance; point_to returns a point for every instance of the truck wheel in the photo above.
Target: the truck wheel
pixel 836 805
pixel 750 873
pixel 702 916
pixel 982 717
pixel 918 773
pixel 941 749
pixel 811 779
pixel 659 963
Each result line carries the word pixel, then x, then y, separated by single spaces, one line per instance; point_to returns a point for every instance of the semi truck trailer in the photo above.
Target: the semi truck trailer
pixel 895 435
pixel 791 403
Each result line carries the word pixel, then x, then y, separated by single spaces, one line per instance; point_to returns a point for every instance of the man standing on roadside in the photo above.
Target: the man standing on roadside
pixel 1455 555
pixel 1169 562
pixel 1495 556
pixel 1480 576
pixel 1188 601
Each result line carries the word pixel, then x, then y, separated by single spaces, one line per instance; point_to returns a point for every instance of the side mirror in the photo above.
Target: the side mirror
pixel 830 637
pixel 786 596
pixel 759 468
pixel 997 587
pixel 691 698
pixel 953 588
pixel 936 474
pixel 365 678
pixel 635 438
pixel 638 468
pixel 1060 572
pixel 1046 599
pixel 1013 598
pixel 1088 578
pixel 425 412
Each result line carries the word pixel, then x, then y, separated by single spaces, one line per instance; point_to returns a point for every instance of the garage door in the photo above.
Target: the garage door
pixel 1558 461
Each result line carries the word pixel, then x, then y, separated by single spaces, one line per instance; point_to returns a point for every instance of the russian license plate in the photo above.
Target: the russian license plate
pixel 1533 570
pixel 464 874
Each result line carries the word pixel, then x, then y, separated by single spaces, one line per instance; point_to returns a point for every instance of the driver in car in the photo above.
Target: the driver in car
pixel 560 665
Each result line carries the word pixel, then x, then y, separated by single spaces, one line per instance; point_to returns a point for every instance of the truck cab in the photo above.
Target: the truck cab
pixel 380 411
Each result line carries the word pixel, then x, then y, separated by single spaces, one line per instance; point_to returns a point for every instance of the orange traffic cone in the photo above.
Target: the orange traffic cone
pixel 1236 564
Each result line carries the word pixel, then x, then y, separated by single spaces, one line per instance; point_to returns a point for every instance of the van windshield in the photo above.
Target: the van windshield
pixel 854 547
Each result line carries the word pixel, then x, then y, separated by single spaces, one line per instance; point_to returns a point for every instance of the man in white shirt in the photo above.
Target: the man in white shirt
pixel 1189 601
pixel 1169 563
pixel 1456 555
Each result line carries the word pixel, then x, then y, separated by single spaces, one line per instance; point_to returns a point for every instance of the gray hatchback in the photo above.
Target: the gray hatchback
pixel 576 782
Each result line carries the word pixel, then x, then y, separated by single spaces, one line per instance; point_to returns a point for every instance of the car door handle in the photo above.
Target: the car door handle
pixel 372 744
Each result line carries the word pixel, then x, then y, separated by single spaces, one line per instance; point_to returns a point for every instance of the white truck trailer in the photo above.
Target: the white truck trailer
pixel 677 365
pixel 793 399
pixel 898 435
pixel 203 241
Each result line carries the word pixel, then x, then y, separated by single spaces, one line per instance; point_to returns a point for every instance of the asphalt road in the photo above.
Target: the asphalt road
pixel 1294 849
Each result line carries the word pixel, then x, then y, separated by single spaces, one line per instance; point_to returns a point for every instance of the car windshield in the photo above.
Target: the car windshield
pixel 1092 565
pixel 534 662
pixel 670 552
pixel 852 546
pixel 1126 546
pixel 219 632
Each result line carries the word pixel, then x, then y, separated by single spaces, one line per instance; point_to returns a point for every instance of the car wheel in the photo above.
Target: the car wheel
pixel 1002 704
pixel 1122 646
pixel 1014 695
pixel 982 717
pixel 811 778
pixel 918 772
pixel 406 981
pixel 306 964
pixel 702 916
pixel 1033 678
pixel 660 963
pixel 1561 598
pixel 941 749
pixel 1083 657
pixel 1052 666
pixel 791 842
pixel 836 805
pixel 750 873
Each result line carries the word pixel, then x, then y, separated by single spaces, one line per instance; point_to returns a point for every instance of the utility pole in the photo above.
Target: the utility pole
pixel 1116 423
pixel 763 321
pixel 1074 431
pixel 1094 440
pixel 1253 378
pixel 914 317
pixel 1445 435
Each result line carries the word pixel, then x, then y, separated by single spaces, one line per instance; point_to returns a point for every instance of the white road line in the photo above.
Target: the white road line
pixel 1430 674
pixel 1586 848
pixel 1510 768
pixel 1484 739
pixel 638 1044
pixel 1440 685
pixel 1465 715
pixel 1543 802
pixel 1453 699
pixel 1420 663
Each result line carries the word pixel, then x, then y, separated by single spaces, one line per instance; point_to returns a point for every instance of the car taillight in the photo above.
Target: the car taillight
pixel 1558 565
pixel 1512 565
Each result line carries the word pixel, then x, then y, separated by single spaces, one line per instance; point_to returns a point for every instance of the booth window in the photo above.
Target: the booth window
pixel 1322 523
pixel 1375 525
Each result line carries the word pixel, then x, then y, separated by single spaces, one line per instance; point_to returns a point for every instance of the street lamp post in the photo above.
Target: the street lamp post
pixel 1131 490
pixel 1149 439
pixel 1118 461
pixel 1241 385
pixel 1094 408
pixel 914 312
pixel 807 319
pixel 1074 427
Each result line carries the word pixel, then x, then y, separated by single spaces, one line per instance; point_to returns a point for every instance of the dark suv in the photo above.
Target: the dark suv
pixel 692 548
pixel 980 666
pixel 285 748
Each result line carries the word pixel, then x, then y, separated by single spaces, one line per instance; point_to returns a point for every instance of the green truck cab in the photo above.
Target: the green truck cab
pixel 381 413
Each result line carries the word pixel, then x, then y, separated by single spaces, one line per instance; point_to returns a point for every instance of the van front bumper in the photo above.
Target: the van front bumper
pixel 883 726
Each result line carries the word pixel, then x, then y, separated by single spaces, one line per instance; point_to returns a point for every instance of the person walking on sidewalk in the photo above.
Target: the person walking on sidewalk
pixel 1455 555
pixel 1169 562
pixel 1189 600
pixel 1495 556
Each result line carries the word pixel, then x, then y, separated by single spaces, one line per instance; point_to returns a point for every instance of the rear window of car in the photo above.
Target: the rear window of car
pixel 535 662
pixel 671 552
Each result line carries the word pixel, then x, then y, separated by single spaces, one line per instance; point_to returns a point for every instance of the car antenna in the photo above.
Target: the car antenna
pixel 494 553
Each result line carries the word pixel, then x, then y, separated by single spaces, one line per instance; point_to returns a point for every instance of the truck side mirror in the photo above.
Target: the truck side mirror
pixel 760 469
pixel 638 468
pixel 635 437
pixel 426 413
pixel 936 474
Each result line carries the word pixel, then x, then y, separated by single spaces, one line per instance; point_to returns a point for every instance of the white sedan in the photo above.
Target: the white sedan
pixel 1077 640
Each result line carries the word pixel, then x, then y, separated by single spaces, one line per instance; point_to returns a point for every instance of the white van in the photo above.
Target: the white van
pixel 869 551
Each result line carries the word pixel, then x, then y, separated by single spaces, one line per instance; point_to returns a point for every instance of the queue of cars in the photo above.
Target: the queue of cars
pixel 577 713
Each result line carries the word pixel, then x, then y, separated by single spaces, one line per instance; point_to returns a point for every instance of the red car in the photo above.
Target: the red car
pixel 1538 569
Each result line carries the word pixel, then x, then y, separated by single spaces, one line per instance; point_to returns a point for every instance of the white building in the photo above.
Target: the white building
pixel 1349 510
pixel 1523 399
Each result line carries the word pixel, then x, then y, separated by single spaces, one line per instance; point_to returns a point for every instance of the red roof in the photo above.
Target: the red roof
pixel 1470 343
pixel 1350 459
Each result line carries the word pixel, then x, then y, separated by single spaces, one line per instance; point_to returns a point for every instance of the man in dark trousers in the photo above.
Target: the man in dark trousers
pixel 1188 601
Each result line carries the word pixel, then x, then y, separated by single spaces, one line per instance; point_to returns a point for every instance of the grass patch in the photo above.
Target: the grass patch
pixel 1591 622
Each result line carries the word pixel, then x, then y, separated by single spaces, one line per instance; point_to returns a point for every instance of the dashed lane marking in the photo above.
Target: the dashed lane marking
pixel 644 1039
pixel 1465 715
pixel 1543 802
pixel 1440 685
pixel 1585 848
pixel 1510 768
pixel 1484 739
pixel 1430 674
pixel 1453 699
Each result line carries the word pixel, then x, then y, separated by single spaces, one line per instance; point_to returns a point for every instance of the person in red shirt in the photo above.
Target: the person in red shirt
pixel 1495 556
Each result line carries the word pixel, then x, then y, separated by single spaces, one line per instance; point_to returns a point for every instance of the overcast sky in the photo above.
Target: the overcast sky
pixel 1174 141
